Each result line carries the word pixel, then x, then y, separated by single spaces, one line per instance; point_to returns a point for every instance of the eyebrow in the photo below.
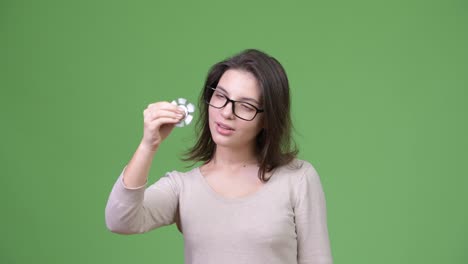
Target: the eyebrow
pixel 242 99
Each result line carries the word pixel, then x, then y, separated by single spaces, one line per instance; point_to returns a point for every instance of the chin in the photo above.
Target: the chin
pixel 236 140
pixel 232 143
pixel 220 141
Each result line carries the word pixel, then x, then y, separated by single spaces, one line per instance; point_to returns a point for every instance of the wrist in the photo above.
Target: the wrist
pixel 148 149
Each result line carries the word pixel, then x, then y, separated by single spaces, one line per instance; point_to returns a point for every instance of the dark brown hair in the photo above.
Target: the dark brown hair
pixel 274 142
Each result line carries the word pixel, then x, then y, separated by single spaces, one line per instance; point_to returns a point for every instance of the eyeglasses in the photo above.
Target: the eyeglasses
pixel 242 110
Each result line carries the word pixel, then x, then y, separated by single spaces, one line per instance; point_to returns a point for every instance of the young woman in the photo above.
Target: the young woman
pixel 251 200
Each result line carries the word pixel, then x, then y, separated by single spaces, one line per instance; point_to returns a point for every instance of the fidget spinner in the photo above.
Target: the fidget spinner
pixel 188 108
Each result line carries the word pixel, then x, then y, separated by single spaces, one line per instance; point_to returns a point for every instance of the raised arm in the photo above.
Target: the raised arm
pixel 131 208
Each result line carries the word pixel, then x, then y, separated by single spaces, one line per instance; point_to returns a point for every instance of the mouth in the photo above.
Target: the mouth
pixel 223 126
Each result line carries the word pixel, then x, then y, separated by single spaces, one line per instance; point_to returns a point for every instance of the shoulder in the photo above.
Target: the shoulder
pixel 304 182
pixel 175 179
pixel 299 174
pixel 297 178
pixel 178 173
pixel 181 177
pixel 296 170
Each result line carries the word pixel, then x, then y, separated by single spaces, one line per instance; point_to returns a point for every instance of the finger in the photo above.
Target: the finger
pixel 151 115
pixel 165 106
pixel 163 121
pixel 161 112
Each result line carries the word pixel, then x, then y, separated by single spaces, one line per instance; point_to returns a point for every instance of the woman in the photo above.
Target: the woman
pixel 251 200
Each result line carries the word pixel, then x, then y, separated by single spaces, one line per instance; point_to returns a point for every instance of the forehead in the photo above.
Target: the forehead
pixel 240 83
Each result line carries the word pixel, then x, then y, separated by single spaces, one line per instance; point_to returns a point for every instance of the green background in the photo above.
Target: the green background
pixel 379 91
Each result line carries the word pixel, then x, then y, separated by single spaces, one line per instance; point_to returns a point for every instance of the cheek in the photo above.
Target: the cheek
pixel 252 128
pixel 211 114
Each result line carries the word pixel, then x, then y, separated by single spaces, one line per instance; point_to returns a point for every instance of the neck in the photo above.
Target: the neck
pixel 228 157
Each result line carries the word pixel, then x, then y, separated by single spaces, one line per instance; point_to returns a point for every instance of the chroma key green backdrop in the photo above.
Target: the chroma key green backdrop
pixel 379 92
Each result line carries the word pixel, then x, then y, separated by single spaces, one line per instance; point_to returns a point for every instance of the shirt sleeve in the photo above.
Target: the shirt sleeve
pixel 313 244
pixel 139 210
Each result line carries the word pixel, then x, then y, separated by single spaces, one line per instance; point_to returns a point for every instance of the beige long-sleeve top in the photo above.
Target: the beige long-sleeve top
pixel 283 222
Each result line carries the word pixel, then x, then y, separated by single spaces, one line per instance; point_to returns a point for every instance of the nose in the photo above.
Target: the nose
pixel 228 110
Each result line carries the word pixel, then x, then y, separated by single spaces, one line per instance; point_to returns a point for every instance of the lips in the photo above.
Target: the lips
pixel 224 126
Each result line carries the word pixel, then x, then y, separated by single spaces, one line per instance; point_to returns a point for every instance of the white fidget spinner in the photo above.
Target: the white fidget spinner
pixel 188 108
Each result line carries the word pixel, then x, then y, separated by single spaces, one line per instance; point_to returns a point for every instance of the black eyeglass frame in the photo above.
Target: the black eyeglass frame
pixel 233 105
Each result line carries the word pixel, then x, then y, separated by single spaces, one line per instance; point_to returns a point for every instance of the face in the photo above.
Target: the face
pixel 228 130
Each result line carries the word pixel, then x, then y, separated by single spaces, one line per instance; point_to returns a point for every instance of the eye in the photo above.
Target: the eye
pixel 219 95
pixel 248 107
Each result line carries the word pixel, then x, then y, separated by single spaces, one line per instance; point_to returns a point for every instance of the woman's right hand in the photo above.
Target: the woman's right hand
pixel 159 120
